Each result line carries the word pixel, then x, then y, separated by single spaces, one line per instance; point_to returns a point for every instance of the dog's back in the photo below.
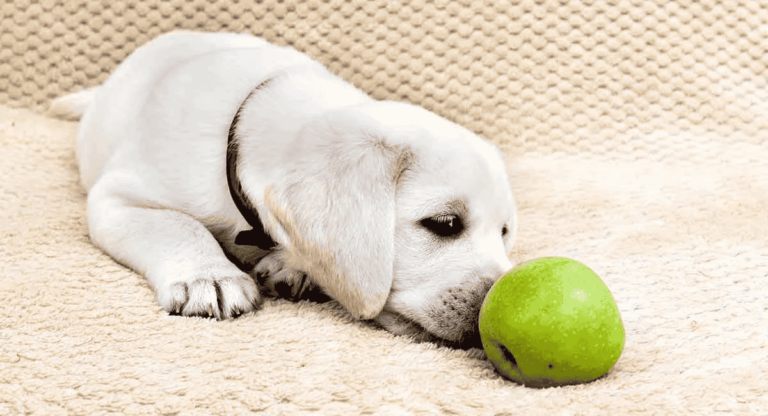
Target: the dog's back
pixel 109 113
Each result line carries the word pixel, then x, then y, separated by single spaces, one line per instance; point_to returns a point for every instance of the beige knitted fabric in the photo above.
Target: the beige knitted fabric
pixel 638 76
pixel 636 135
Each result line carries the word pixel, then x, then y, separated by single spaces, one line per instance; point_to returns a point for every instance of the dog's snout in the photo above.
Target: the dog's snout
pixel 456 317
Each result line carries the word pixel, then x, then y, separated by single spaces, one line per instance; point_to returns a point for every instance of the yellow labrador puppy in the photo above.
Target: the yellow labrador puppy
pixel 222 168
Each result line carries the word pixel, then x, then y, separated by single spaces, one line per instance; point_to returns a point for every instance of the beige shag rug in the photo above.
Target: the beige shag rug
pixel 681 245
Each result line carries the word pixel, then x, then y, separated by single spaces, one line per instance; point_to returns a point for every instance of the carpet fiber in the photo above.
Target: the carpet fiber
pixel 636 135
pixel 682 246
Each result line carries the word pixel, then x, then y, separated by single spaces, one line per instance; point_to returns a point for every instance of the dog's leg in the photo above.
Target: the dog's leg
pixel 174 251
pixel 277 280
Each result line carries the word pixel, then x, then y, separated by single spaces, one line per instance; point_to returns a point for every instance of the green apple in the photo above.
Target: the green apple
pixel 551 322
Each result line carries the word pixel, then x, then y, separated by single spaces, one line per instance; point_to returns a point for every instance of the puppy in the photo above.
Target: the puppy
pixel 223 168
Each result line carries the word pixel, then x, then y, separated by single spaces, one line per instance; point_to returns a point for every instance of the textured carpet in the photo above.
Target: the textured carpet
pixel 636 134
pixel 682 246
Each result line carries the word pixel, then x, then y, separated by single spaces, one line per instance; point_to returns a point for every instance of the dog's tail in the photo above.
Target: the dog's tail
pixel 72 106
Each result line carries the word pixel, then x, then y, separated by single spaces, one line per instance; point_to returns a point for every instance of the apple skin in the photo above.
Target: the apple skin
pixel 551 322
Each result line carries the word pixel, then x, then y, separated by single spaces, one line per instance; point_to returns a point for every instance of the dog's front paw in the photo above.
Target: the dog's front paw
pixel 220 297
pixel 280 281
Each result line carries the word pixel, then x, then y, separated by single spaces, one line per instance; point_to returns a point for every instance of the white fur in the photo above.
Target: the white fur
pixel 341 182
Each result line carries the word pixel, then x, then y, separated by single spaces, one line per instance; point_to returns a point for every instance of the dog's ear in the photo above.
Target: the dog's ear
pixel 335 206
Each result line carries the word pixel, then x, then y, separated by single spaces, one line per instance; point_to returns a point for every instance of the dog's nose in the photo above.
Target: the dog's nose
pixel 496 269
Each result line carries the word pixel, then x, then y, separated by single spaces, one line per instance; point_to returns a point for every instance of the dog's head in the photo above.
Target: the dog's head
pixel 400 215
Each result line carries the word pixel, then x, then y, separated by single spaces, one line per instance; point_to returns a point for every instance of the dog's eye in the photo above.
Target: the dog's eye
pixel 504 230
pixel 444 225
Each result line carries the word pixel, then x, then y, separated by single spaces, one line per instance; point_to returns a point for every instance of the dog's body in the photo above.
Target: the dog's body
pixel 195 139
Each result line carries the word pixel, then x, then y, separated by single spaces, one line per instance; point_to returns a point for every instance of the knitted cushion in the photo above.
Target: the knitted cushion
pixel 645 79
